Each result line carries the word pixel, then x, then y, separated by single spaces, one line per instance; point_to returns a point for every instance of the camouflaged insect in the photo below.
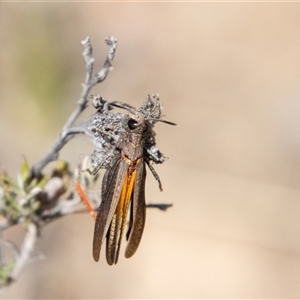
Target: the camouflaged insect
pixel 108 132
pixel 124 143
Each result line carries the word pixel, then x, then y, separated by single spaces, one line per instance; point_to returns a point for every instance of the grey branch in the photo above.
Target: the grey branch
pixel 51 206
pixel 26 250
pixel 90 81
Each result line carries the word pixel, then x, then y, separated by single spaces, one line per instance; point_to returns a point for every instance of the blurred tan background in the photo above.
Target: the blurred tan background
pixel 229 76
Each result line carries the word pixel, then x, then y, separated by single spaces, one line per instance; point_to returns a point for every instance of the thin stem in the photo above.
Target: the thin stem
pixel 90 82
pixel 26 250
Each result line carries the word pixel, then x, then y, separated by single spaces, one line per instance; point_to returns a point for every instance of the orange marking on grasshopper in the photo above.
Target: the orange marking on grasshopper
pixel 85 200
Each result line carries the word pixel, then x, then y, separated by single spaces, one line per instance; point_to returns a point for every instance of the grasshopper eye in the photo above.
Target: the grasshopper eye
pixel 132 124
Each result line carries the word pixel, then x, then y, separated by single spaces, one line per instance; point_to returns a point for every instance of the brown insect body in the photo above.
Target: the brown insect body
pixel 125 143
pixel 123 184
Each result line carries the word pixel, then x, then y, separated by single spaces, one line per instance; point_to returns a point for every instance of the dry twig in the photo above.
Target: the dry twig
pixel 35 199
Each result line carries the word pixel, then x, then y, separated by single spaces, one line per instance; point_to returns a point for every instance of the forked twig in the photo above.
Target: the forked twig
pixel 90 81
pixel 34 199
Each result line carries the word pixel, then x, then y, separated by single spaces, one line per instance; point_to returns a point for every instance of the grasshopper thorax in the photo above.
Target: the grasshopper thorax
pixel 136 129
